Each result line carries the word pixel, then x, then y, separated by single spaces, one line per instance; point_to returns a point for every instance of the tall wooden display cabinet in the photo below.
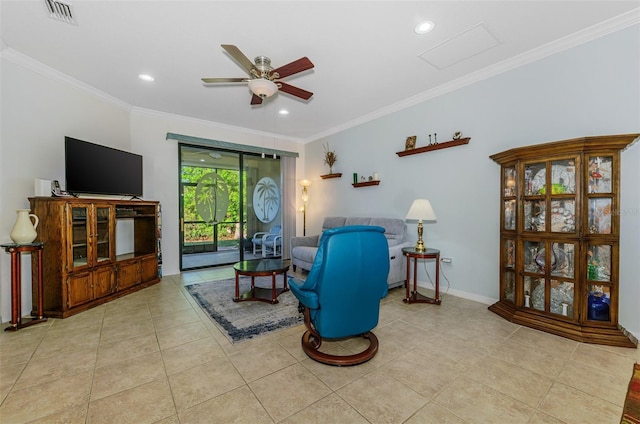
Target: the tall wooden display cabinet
pixel 559 238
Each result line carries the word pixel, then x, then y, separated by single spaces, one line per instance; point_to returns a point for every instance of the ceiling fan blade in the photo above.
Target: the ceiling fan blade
pixel 294 91
pixel 214 80
pixel 294 67
pixel 239 57
pixel 256 100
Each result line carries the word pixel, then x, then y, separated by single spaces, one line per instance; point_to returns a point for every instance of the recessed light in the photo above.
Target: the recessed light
pixel 283 112
pixel 146 77
pixel 424 27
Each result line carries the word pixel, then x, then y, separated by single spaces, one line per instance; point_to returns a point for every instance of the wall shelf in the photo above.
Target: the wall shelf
pixel 438 146
pixel 335 175
pixel 366 183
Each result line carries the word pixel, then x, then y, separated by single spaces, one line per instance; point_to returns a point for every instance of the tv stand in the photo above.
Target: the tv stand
pixel 86 261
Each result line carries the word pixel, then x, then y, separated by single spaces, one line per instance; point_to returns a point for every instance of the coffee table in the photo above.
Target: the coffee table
pixel 259 268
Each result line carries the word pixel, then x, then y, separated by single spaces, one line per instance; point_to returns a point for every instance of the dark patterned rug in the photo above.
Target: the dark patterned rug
pixel 245 320
pixel 631 411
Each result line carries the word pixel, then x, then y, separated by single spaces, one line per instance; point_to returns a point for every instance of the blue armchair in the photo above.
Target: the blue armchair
pixel 342 292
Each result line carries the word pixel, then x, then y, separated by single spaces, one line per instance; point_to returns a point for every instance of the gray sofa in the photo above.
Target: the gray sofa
pixel 303 249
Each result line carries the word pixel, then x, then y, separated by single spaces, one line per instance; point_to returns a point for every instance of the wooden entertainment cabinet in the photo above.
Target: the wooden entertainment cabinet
pixel 95 250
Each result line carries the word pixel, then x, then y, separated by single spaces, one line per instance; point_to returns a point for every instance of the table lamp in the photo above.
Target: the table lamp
pixel 420 210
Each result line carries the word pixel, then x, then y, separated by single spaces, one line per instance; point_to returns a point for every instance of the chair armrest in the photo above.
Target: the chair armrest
pixel 310 241
pixel 261 234
pixel 271 238
pixel 308 298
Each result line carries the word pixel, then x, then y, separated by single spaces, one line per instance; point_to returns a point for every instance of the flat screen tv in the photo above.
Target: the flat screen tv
pixel 94 169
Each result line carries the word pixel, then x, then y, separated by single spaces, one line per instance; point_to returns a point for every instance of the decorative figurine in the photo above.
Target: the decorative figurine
pixel 457 135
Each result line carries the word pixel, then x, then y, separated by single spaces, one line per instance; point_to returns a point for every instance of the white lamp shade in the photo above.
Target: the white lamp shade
pixel 263 87
pixel 421 210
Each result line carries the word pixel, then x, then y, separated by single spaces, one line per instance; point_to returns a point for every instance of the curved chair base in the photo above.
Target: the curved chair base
pixel 311 342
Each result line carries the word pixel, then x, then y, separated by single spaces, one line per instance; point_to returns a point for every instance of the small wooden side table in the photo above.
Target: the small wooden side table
pixel 16 296
pixel 414 296
pixel 257 268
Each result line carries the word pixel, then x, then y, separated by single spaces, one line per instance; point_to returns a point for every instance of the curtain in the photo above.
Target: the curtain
pixel 289 211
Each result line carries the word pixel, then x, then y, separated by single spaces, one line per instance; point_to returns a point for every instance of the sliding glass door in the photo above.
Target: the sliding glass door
pixel 225 198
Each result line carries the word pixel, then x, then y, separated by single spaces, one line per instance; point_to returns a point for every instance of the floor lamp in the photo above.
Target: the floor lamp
pixel 305 198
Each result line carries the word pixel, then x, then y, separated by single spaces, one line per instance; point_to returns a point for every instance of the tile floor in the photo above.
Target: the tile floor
pixel 154 357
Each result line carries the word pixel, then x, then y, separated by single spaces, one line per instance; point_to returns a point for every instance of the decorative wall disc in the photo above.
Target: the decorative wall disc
pixel 266 200
pixel 212 198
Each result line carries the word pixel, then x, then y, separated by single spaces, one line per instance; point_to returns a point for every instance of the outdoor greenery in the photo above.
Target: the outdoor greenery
pixel 195 229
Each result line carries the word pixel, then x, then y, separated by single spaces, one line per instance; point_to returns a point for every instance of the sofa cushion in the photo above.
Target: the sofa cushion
pixel 333 222
pixel 394 229
pixel 304 253
pixel 358 220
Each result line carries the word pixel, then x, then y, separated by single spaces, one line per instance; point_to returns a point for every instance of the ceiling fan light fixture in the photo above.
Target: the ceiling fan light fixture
pixel 424 27
pixel 263 88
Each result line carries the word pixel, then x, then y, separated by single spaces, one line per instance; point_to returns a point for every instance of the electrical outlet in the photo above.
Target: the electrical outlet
pixel 446 260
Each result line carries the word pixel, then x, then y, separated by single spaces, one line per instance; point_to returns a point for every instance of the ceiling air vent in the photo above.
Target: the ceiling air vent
pixel 61 11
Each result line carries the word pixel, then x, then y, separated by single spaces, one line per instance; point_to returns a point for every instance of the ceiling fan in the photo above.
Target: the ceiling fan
pixel 264 80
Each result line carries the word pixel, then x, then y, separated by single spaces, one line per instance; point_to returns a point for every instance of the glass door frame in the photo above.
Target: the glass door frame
pixel 244 204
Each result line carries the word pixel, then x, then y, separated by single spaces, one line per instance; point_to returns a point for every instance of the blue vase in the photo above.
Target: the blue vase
pixel 598 307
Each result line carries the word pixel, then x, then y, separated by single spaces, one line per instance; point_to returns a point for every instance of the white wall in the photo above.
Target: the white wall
pixel 591 89
pixel 37 113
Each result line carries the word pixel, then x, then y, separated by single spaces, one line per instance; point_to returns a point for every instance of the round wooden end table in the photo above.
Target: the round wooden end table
pixel 260 268
pixel 412 295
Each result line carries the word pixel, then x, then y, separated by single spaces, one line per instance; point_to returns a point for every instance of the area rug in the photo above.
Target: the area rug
pixel 245 320
pixel 631 410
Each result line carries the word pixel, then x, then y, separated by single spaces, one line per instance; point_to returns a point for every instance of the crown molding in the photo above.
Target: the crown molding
pixel 47 71
pixel 591 33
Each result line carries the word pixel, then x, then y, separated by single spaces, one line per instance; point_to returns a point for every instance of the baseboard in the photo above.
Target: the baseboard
pixel 459 293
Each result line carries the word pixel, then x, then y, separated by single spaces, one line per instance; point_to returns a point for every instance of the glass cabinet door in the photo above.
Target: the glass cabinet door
pixel 509 197
pixel 508 273
pixel 535 178
pixel 534 283
pixel 534 204
pixel 103 242
pixel 599 197
pixel 91 235
pixel 80 236
pixel 549 276
pixel 599 286
pixel 562 202
pixel 562 272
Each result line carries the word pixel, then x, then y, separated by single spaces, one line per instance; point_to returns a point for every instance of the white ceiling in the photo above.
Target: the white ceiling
pixel 368 61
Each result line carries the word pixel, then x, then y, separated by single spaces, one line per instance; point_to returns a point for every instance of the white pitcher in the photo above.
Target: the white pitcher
pixel 24 231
